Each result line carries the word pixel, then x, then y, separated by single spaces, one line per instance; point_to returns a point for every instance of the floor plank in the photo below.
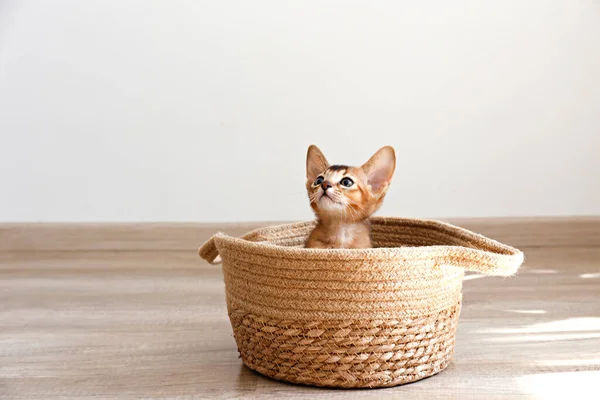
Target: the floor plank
pixel 519 232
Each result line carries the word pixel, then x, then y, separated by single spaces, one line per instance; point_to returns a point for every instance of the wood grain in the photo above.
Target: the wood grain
pixel 114 311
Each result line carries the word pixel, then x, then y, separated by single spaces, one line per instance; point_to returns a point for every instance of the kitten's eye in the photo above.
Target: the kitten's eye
pixel 347 182
pixel 318 181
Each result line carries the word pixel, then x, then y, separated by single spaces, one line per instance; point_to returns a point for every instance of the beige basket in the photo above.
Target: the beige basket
pixel 352 318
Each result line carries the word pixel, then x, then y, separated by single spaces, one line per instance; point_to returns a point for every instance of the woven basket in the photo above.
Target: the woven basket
pixel 352 318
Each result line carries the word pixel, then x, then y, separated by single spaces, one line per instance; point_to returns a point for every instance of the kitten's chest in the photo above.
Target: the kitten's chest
pixel 355 236
pixel 350 235
pixel 345 237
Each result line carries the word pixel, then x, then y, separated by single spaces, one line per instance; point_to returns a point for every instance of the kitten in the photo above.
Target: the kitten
pixel 343 198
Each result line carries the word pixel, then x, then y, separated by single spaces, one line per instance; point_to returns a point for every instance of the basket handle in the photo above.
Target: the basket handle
pixel 209 252
pixel 487 263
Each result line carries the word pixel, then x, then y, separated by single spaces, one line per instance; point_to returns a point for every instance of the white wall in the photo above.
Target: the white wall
pixel 136 110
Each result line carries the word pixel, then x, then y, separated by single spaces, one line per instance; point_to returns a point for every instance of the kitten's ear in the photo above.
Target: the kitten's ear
pixel 315 163
pixel 380 169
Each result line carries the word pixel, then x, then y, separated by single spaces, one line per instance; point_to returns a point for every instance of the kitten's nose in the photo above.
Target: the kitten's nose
pixel 325 185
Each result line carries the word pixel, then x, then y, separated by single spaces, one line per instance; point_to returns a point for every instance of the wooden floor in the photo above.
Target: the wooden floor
pixel 130 311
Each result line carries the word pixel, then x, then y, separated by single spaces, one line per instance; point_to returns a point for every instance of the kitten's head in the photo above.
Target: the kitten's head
pixel 350 194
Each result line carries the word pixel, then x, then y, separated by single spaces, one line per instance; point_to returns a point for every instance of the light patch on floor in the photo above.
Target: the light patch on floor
pixel 561 385
pixel 563 325
pixel 528 311
pixel 473 276
pixel 588 276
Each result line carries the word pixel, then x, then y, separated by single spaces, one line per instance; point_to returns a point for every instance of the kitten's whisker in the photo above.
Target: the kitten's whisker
pixel 353 212
pixel 313 197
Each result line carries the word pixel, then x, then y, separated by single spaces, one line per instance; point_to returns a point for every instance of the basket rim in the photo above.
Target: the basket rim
pixel 480 253
pixel 456 231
